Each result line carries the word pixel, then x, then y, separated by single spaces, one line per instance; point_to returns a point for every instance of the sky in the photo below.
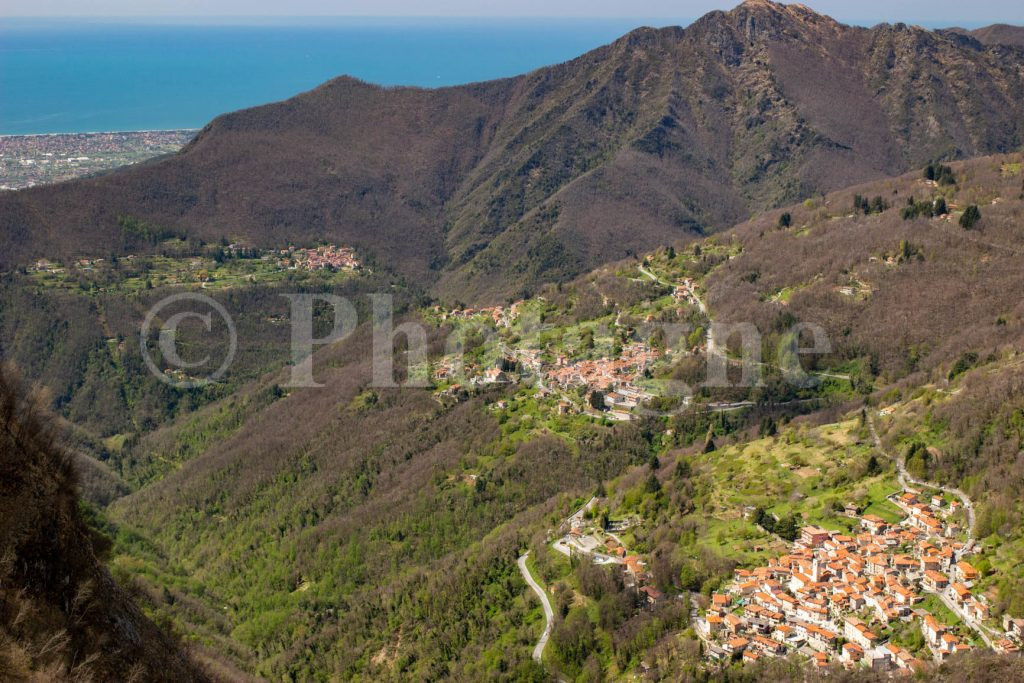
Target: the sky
pixel 865 12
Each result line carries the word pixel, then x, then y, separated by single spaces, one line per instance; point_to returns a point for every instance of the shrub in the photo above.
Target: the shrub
pixel 965 362
pixel 908 252
pixel 788 528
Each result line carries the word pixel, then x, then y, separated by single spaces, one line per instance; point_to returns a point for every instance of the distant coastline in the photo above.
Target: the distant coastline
pixel 100 132
pixel 71 76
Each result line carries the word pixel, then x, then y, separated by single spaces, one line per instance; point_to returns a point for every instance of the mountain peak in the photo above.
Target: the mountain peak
pixel 794 8
pixel 755 20
pixel 765 4
pixel 792 12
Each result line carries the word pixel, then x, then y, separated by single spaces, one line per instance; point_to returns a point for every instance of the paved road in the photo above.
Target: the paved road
pixel 977 627
pixel 576 518
pixel 697 299
pixel 905 478
pixel 712 342
pixel 549 614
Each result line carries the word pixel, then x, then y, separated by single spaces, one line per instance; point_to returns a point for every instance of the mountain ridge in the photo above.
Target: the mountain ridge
pixel 489 189
pixel 996 34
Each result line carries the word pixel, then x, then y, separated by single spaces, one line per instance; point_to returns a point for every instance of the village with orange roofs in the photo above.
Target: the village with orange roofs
pixel 834 593
pixel 327 256
pixel 608 385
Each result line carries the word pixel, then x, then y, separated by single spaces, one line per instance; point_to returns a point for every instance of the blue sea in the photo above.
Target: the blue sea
pixel 66 76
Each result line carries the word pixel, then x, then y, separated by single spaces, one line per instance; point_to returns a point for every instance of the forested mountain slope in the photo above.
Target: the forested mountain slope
pixel 62 617
pixel 347 515
pixel 282 522
pixel 480 191
pixel 360 532
pixel 899 280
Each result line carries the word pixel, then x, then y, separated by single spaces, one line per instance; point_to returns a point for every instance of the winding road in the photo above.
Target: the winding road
pixel 549 614
pixel 905 479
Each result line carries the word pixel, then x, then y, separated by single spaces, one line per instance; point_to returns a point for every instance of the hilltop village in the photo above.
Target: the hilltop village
pixel 836 597
pixel 179 263
pixel 603 387
pixel 605 383
pixel 324 257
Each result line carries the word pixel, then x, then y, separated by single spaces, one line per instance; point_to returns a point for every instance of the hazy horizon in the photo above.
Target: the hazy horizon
pixel 296 21
pixel 869 12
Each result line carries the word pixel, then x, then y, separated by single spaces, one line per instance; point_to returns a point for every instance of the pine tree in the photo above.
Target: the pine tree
pixel 970 217
pixel 873 466
pixel 682 469
pixel 709 442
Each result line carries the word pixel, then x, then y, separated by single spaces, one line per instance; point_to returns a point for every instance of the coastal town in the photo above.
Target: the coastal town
pixel 840 597
pixel 31 160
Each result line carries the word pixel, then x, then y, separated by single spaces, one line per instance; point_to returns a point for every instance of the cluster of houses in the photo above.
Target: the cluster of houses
pixel 324 257
pixel 832 595
pixel 614 379
pixel 620 402
pixel 612 384
pixel 84 264
pixel 925 516
pixel 453 367
pixel 45 266
pixel 686 292
pixel 502 316
pixel 601 547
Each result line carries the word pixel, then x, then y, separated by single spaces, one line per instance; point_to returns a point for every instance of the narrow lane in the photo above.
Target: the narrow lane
pixel 905 479
pixel 549 614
